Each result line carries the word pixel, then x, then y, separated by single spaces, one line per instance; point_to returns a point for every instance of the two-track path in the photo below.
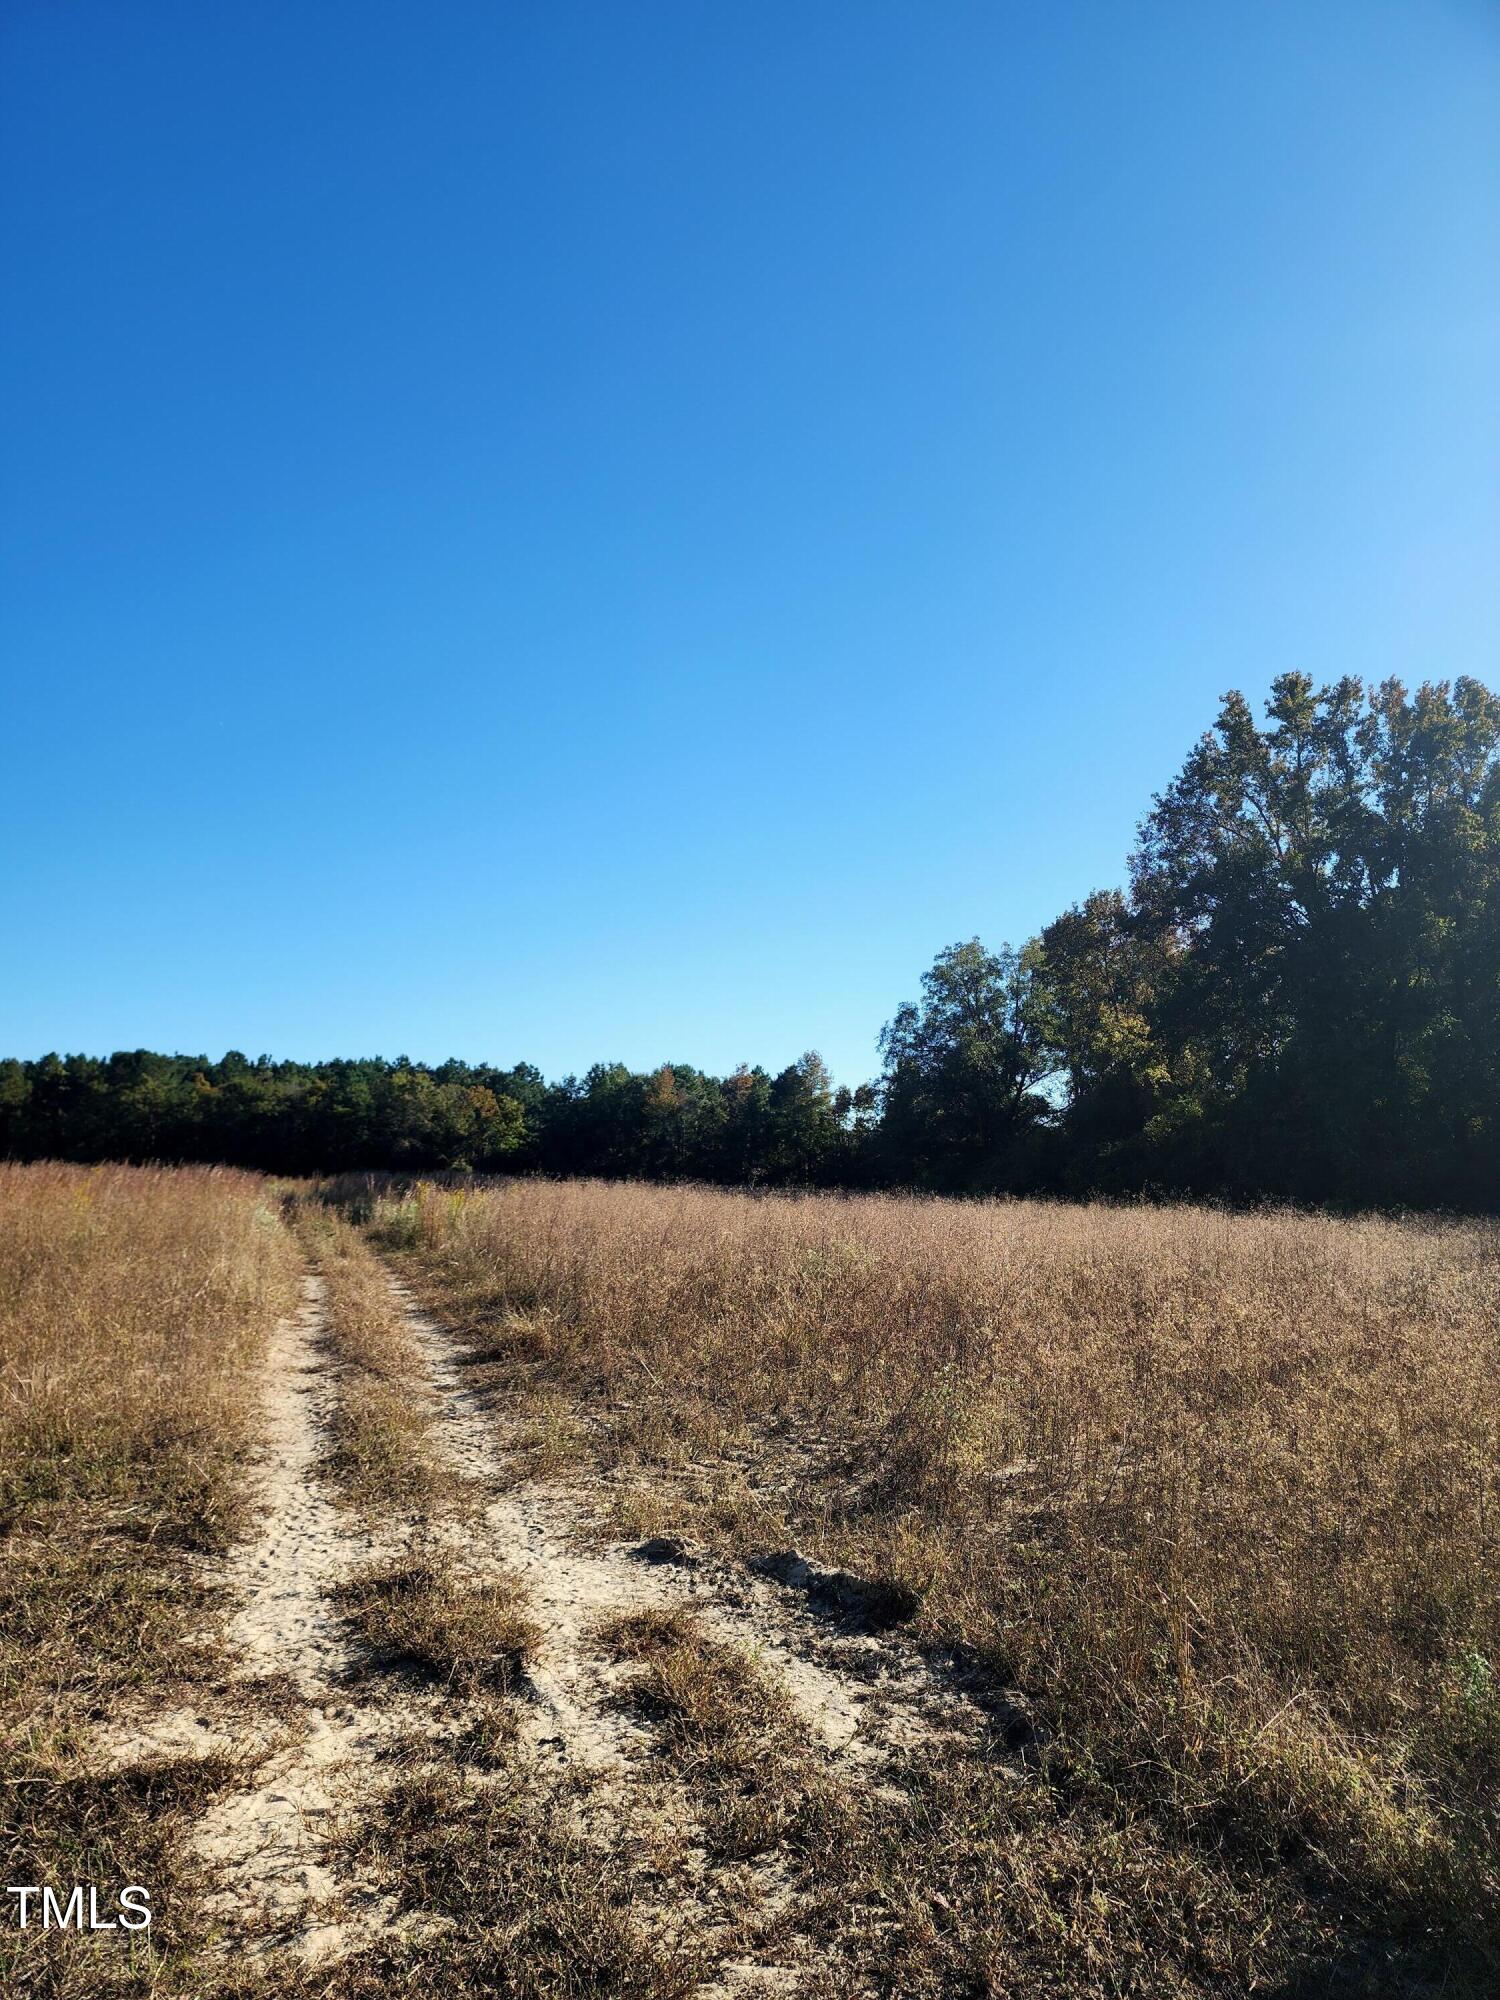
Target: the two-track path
pixel 317 1725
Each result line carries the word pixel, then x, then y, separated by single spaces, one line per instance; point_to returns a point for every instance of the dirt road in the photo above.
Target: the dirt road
pixel 324 1731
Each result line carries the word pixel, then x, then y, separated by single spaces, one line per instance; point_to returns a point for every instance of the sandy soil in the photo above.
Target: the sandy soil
pixel 264 1846
pixel 543 1532
pixel 265 1849
pixel 286 1709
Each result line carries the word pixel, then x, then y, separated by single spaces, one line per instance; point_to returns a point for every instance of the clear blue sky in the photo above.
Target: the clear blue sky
pixel 571 531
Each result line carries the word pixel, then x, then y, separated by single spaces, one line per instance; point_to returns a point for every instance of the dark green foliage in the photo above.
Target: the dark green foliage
pixel 300 1118
pixel 283 1117
pixel 964 1069
pixel 1299 998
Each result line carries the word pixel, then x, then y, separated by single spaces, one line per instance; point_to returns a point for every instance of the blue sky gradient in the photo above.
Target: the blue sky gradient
pixel 591 531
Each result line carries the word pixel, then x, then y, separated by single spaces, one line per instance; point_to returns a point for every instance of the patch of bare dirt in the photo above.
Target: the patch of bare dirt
pixel 263 1849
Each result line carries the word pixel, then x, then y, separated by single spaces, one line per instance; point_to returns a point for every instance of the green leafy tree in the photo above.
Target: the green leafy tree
pixel 1322 886
pixel 805 1132
pixel 964 1069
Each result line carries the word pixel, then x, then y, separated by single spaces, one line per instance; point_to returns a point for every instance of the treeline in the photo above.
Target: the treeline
pixel 331 1117
pixel 1298 996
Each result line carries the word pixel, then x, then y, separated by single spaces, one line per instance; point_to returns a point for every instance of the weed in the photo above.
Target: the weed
pixel 420 1616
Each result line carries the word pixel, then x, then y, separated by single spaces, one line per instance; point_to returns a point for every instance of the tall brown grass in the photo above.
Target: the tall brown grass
pixel 134 1308
pixel 1217 1492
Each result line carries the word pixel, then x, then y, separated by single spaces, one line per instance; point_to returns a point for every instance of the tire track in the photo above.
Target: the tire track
pixel 273 1884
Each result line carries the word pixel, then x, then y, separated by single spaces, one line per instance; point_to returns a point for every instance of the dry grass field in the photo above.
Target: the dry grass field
pixel 135 1305
pixel 718 1595
pixel 1215 1495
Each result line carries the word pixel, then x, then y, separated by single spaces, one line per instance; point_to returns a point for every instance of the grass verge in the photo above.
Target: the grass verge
pixel 135 1304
